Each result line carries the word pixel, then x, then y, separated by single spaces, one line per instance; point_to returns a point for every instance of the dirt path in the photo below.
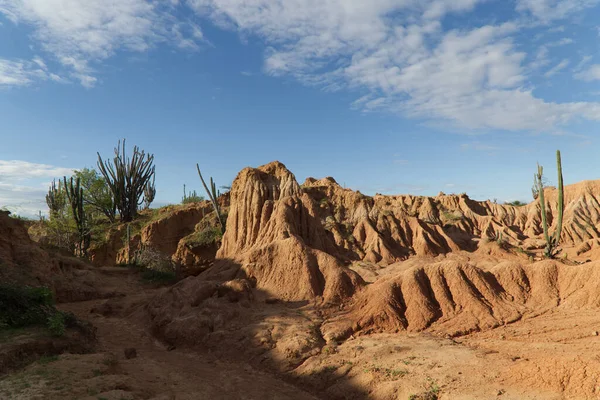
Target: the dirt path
pixel 155 373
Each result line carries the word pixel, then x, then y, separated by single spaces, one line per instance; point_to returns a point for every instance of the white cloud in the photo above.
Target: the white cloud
pixel 541 58
pixel 18 170
pixel 557 68
pixel 23 185
pixel 81 32
pixel 584 61
pixel 590 74
pixel 397 53
pixel 25 201
pixel 478 146
pixel 19 72
pixel 549 10
pixel 561 42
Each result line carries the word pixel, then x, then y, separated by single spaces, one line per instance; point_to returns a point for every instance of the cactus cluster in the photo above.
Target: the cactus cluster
pixel 149 193
pixel 128 179
pixel 553 240
pixel 55 199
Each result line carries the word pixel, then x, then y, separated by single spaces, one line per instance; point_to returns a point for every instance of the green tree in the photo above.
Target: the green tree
pixel 97 196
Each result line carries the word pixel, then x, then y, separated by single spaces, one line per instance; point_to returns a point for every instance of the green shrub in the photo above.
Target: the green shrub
pixel 149 258
pixel 192 198
pixel 22 306
pixel 204 237
pixel 56 324
pixel 155 276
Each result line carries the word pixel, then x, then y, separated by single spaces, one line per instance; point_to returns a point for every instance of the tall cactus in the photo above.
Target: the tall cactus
pixel 75 196
pixel 213 195
pixel 127 178
pixel 551 241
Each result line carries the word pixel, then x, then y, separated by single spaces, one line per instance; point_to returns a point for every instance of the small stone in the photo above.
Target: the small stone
pixel 595 333
pixel 130 353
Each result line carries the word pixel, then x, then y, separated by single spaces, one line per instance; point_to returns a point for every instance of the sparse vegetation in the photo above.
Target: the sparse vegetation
pixel 23 306
pixel 387 373
pixel 432 392
pixel 150 259
pixel 205 237
pixel 191 197
pixel 516 203
pixel 452 216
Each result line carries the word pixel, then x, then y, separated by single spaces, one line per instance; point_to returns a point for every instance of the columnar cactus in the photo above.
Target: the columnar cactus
pixel 75 195
pixel 551 241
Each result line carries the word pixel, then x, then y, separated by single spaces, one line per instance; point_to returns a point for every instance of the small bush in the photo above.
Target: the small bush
pixel 452 217
pixel 56 324
pixel 516 203
pixel 155 266
pixel 192 198
pixel 151 259
pixel 204 237
pixel 22 306
pixel 154 276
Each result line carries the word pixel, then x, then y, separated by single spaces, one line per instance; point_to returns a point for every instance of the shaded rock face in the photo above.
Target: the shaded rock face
pixel 23 262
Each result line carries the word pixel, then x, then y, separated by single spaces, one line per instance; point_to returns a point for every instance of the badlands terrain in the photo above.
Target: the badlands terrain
pixel 320 292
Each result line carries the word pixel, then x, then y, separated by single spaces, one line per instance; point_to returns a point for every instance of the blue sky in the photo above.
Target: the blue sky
pixel 388 96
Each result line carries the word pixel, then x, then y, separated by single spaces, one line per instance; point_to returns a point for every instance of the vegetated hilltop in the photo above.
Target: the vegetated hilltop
pixel 353 227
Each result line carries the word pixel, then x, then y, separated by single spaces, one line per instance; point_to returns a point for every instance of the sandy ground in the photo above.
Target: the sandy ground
pixel 550 356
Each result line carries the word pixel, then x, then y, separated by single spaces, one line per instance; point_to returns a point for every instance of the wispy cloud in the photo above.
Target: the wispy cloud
pixel 474 79
pixel 550 10
pixel 590 74
pixel 395 53
pixel 561 42
pixel 557 68
pixel 79 33
pixel 478 146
